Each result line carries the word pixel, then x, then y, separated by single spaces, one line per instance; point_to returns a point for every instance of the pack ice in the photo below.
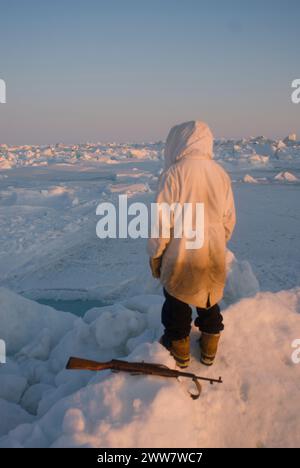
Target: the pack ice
pixel 49 251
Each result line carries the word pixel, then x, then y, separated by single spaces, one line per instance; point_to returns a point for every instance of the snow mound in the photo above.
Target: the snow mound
pixel 255 152
pixel 30 328
pixel 4 164
pixel 110 153
pixel 11 416
pixel 60 408
pixel 139 153
pixel 286 176
pixel 241 281
pixel 290 138
pixel 249 179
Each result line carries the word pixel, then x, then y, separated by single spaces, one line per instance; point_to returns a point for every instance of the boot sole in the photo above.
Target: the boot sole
pixel 207 360
pixel 206 363
pixel 204 359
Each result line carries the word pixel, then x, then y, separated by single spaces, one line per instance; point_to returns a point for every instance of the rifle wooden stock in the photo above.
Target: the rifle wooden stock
pixel 86 364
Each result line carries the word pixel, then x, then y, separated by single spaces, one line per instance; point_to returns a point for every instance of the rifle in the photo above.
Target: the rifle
pixel 138 368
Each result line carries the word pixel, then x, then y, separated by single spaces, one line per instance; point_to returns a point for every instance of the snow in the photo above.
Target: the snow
pixel 63 154
pixel 49 251
pixel 4 164
pixel 12 415
pixel 249 179
pixel 259 394
pixel 12 386
pixel 254 152
pixel 29 328
pixel 286 176
pixel 291 138
pixel 241 281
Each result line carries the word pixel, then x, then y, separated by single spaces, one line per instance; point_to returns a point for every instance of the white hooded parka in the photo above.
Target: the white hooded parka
pixel 194 276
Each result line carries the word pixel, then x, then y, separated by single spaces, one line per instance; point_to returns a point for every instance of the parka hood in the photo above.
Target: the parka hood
pixel 188 139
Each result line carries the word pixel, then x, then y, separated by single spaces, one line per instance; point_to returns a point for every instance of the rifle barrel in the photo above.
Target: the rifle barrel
pixel 198 377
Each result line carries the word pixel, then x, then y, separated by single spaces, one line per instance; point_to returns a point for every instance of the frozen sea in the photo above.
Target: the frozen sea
pixel 63 291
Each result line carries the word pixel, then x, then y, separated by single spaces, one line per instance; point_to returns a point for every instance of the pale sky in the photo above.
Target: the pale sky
pixel 127 70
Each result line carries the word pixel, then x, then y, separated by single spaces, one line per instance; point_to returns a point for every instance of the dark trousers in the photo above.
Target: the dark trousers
pixel 176 317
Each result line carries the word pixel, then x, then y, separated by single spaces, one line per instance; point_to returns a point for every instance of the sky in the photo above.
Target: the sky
pixel 127 70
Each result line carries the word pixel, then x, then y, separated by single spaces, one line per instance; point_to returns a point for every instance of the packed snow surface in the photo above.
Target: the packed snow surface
pixel 49 252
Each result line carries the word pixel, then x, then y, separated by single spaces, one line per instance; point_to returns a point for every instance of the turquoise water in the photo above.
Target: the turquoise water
pixel 76 306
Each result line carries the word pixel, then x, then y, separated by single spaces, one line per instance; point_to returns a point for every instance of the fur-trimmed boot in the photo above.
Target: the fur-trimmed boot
pixel 180 350
pixel 208 347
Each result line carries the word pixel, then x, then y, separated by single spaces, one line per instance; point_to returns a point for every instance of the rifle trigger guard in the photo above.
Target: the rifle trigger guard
pixel 199 389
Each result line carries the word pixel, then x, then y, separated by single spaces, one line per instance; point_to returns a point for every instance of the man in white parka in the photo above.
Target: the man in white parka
pixel 193 276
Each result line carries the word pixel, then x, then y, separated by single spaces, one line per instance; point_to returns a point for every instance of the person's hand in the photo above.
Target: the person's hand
pixel 155 264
